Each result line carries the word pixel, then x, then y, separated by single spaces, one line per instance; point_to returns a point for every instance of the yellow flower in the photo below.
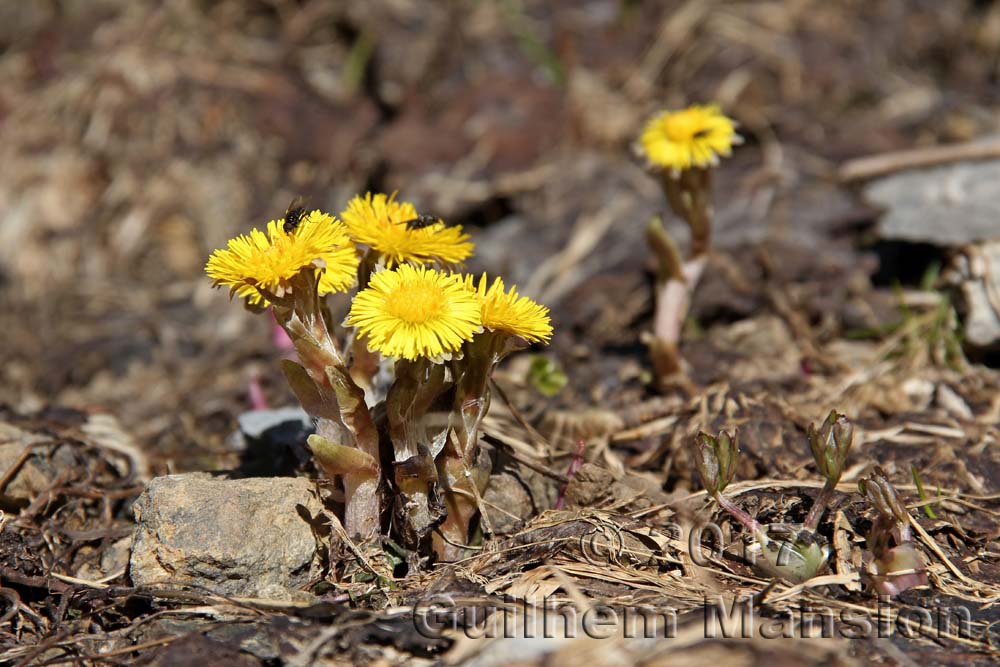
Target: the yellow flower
pixel 413 311
pixel 270 261
pixel 692 137
pixel 379 222
pixel 510 312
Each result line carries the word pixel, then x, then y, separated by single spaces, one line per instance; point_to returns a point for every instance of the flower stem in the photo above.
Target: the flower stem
pixel 819 506
pixel 738 513
pixel 673 300
pixel 361 506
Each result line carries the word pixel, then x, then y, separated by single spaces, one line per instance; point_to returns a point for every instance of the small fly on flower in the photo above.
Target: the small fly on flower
pixel 420 222
pixel 293 215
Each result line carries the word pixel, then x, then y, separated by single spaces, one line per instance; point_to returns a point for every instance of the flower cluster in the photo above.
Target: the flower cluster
pixel 408 309
pixel 437 332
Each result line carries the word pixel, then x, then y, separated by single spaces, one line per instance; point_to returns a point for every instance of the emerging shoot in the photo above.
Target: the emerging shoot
pixel 898 564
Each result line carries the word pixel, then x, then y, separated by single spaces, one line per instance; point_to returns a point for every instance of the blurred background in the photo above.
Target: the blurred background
pixel 137 136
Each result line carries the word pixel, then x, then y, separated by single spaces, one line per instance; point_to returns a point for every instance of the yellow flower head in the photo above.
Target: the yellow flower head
pixel 380 222
pixel 270 260
pixel 692 137
pixel 412 311
pixel 510 312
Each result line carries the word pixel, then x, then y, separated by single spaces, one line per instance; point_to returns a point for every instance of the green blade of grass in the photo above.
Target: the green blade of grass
pixel 928 510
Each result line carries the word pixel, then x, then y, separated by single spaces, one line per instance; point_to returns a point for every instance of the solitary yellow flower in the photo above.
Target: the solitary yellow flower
pixel 380 222
pixel 413 311
pixel 270 261
pixel 509 312
pixel 692 137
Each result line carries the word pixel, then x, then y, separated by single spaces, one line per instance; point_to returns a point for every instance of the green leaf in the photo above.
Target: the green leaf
pixel 546 376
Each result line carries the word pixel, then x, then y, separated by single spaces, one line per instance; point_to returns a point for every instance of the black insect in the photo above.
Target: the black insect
pixel 293 215
pixel 421 221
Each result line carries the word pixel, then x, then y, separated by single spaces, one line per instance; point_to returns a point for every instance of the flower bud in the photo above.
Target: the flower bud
pixel 830 445
pixel 882 495
pixel 895 568
pixel 715 459
pixel 335 459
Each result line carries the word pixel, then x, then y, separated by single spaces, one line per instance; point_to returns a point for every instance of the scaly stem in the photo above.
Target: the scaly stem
pixel 688 195
pixel 472 396
pixel 361 506
pixel 464 467
pixel 418 384
pixel 303 320
pixel 672 303
pixel 464 486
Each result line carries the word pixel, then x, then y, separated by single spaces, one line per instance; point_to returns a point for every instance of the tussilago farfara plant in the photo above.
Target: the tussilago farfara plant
pixel 896 564
pixel 681 148
pixel 797 551
pixel 435 333
pixel 792 551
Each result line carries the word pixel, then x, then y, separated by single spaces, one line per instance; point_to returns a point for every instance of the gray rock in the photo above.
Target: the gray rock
pixel 272 442
pixel 256 423
pixel 946 206
pixel 244 538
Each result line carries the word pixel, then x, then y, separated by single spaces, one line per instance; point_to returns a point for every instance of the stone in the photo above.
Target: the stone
pixel 35 464
pixel 974 276
pixel 945 206
pixel 31 478
pixel 257 424
pixel 236 537
pixel 508 503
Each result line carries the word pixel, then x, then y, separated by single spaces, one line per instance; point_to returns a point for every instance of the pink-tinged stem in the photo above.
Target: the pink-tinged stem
pixel 819 506
pixel 574 467
pixel 361 509
pixel 255 393
pixel 738 513
pixel 674 301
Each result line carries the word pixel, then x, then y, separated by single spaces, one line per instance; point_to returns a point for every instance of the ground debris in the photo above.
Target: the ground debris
pixel 138 136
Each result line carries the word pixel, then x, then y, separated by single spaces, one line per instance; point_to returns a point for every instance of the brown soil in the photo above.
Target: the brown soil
pixel 135 137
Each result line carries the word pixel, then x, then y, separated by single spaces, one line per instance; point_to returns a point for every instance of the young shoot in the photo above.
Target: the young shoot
pixel 897 563
pixel 830 444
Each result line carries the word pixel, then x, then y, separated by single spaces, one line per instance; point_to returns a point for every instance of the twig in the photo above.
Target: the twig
pixel 887 163
pixel 34 582
pixel 99 584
